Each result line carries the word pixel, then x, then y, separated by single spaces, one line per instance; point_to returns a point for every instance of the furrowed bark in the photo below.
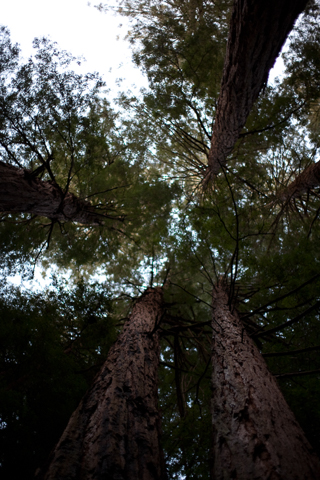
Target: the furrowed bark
pixel 308 179
pixel 22 193
pixel 255 435
pixel 258 29
pixel 114 433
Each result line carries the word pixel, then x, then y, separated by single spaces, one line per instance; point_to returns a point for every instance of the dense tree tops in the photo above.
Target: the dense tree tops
pixel 174 43
pixel 184 91
pixel 140 166
pixel 72 157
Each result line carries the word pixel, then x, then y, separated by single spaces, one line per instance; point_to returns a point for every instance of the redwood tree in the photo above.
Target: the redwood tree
pixel 115 431
pixel 255 434
pixel 257 33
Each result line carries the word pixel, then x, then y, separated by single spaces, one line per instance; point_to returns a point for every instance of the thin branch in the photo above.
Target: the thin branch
pixel 289 323
pixel 235 255
pixel 50 233
pixel 197 298
pixel 107 190
pixel 282 297
pixel 269 127
pixel 296 374
pixel 291 352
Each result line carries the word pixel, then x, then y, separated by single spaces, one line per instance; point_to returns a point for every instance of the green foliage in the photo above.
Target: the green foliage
pixel 176 41
pixel 52 346
pixel 56 124
pixel 184 393
pixel 186 440
pixel 180 46
pixel 303 66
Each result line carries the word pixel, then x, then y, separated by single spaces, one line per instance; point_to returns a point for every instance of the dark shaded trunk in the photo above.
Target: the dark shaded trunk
pixel 255 435
pixel 22 193
pixel 258 29
pixel 308 179
pixel 114 433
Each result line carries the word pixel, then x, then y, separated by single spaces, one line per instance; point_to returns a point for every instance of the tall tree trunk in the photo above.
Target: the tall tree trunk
pixel 22 193
pixel 114 433
pixel 258 29
pixel 255 435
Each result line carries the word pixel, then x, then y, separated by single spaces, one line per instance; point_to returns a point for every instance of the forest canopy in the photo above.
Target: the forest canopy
pixel 110 195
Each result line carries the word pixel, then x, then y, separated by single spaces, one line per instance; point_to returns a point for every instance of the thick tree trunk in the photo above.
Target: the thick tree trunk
pixel 255 435
pixel 22 193
pixel 308 179
pixel 114 433
pixel 258 29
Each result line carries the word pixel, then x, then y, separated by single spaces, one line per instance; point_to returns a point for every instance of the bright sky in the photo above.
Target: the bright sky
pixel 82 30
pixel 79 28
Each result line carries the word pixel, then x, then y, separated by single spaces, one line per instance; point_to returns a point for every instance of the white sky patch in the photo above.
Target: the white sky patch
pixel 277 71
pixel 42 278
pixel 80 29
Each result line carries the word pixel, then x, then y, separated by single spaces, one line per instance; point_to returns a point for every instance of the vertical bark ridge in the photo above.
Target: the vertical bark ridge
pixel 114 433
pixel 255 434
pixel 258 29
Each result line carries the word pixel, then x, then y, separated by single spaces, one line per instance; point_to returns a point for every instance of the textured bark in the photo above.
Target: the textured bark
pixel 114 433
pixel 308 179
pixel 22 193
pixel 258 29
pixel 255 435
